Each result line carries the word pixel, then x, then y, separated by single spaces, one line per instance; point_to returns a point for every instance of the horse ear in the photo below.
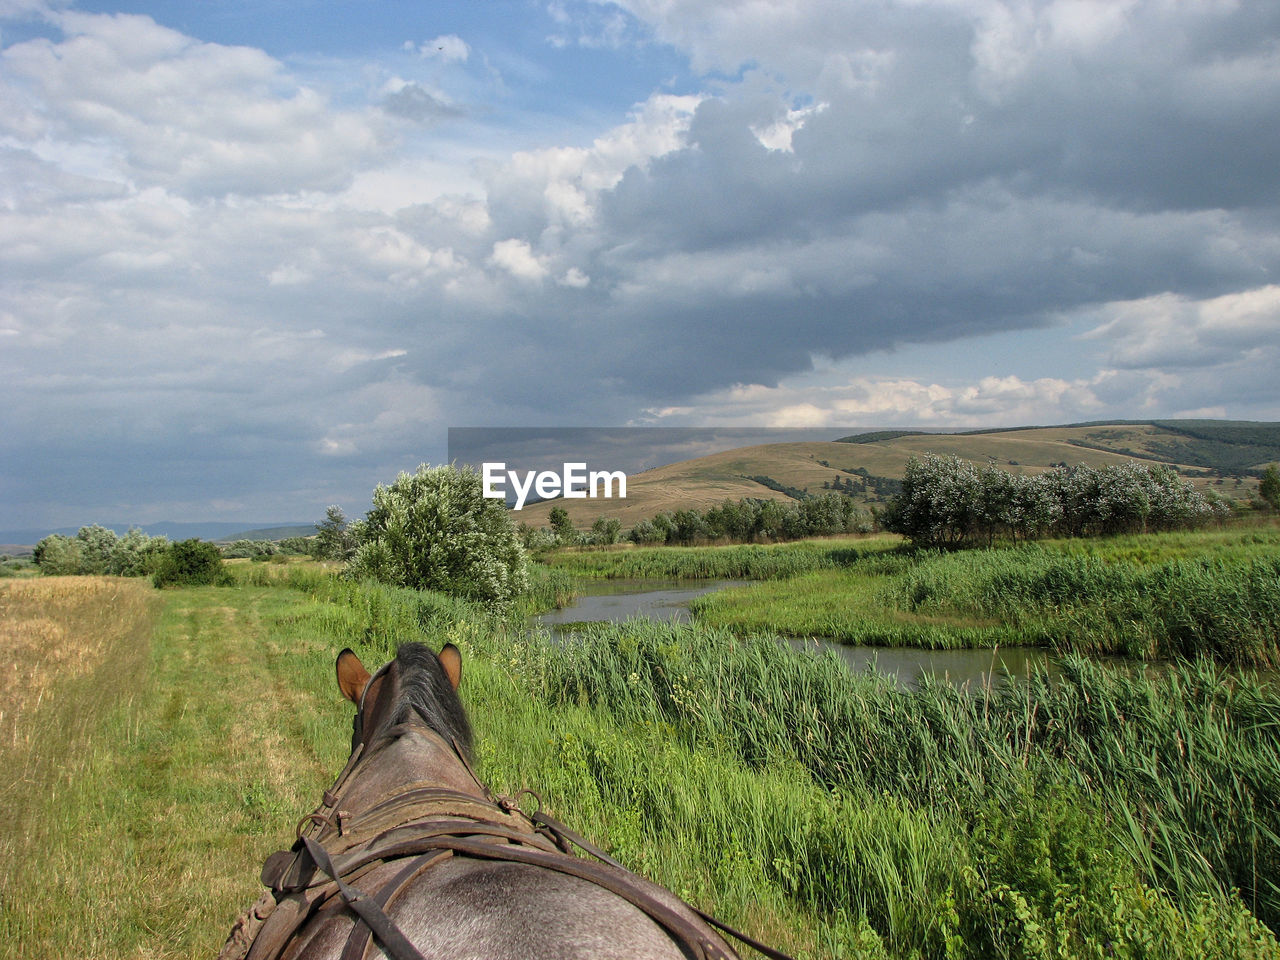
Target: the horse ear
pixel 352 676
pixel 451 660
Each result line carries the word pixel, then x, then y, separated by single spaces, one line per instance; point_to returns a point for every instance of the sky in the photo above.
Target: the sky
pixel 256 258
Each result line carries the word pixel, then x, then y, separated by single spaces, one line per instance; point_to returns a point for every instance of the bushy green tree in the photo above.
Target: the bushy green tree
pixel 334 540
pixel 565 532
pixel 1269 488
pixel 645 532
pixel 137 555
pixel 191 563
pixel 436 530
pixel 946 500
pixel 57 555
pixel 605 530
pixel 97 544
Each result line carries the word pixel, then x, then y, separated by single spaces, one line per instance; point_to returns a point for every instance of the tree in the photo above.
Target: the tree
pixel 57 555
pixel 606 530
pixel 1269 488
pixel 190 563
pixel 97 544
pixel 562 526
pixel 646 532
pixel 436 530
pixel 137 554
pixel 334 538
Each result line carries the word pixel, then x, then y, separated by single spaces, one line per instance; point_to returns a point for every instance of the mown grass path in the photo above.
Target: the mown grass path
pixel 198 743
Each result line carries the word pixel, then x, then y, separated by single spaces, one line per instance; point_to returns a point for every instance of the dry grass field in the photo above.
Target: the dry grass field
pixel 53 632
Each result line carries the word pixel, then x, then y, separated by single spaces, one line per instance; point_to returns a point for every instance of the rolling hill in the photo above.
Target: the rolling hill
pixel 1225 456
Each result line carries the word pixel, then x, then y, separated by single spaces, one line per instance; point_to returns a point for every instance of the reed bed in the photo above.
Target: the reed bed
pixel 1183 770
pixel 744 562
pixel 1147 597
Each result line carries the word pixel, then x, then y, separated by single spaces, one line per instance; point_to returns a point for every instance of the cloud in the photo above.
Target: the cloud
pixel 1174 331
pixel 413 102
pixel 198 119
pixel 516 257
pixel 816 401
pixel 311 271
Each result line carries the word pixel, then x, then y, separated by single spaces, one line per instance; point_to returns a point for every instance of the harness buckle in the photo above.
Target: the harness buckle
pixel 512 804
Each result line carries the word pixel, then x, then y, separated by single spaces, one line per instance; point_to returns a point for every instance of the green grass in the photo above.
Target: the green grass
pixel 744 562
pixel 1214 593
pixel 831 814
pixel 1183 771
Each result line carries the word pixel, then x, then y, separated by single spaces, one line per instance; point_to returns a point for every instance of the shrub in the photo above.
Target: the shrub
pixel 97 550
pixel 137 555
pixel 57 555
pixel 606 530
pixel 947 501
pixel 436 530
pixel 334 539
pixel 190 563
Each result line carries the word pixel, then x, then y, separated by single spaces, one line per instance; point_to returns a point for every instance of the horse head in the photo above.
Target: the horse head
pixel 410 851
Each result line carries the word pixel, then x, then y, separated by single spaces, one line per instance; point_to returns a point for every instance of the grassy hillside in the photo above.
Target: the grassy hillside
pixel 1213 454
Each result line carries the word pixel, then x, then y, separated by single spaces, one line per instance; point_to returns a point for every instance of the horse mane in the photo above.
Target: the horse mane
pixel 425 690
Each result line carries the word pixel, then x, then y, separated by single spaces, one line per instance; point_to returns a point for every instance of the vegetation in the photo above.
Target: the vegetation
pixel 755 521
pixel 1195 594
pixel 744 562
pixel 97 550
pixel 832 814
pixel 1269 488
pixel 190 563
pixel 334 539
pixel 1183 771
pixel 436 530
pixel 947 501
pixel 1098 813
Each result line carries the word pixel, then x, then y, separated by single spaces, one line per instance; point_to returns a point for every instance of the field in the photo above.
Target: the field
pixel 167 741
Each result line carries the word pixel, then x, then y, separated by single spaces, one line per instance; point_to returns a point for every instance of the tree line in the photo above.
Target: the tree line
pixel 734 521
pixel 947 501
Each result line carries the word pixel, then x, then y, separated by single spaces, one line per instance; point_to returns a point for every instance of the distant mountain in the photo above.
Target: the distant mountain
pixel 174 531
pixel 1225 456
pixel 274 533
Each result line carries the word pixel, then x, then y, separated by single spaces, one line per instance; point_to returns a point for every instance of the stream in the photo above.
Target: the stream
pixel 668 600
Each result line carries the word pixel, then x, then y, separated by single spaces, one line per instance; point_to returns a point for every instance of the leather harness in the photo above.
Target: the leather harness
pixel 421 825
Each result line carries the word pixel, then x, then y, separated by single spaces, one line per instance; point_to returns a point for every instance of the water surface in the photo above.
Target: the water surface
pixel 668 601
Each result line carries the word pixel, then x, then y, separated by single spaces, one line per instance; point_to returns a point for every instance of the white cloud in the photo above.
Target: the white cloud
pixel 517 258
pixel 1174 331
pixel 195 118
pixel 802 402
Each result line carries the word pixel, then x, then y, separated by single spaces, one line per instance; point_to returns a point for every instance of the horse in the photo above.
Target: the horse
pixel 410 856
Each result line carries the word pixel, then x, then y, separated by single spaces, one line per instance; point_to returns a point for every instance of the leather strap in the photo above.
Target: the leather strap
pixel 556 827
pixel 366 907
pixel 620 882
pixel 358 940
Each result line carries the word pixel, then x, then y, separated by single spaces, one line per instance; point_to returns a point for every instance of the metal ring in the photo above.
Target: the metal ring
pixel 325 820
